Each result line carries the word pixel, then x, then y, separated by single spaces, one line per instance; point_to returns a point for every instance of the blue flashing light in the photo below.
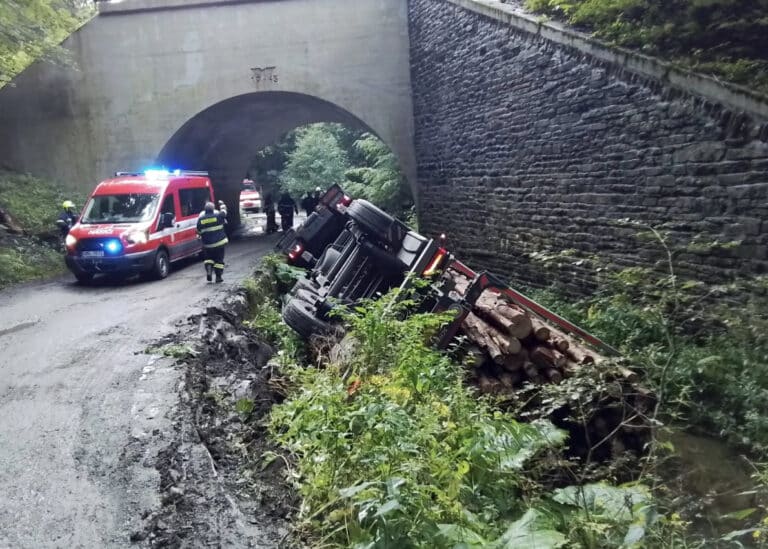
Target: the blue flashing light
pixel 113 247
pixel 154 173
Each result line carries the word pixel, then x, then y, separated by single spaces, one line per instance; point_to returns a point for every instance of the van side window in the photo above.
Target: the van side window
pixel 193 201
pixel 168 206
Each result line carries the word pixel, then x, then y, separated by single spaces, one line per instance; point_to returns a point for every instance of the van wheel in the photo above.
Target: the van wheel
pixel 84 278
pixel 372 220
pixel 162 265
pixel 300 315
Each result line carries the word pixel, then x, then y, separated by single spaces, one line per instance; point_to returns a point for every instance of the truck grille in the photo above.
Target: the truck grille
pixel 91 244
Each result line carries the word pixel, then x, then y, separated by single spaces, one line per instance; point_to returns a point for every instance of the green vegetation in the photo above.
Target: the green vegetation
pixel 320 155
pixel 706 358
pixel 379 180
pixel 34 204
pixel 317 161
pixel 725 38
pixel 33 29
pixel 28 262
pixel 389 448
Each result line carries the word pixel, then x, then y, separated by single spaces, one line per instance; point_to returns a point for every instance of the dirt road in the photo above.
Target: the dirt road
pixel 83 409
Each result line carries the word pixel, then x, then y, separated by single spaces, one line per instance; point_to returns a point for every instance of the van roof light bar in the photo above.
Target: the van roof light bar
pixel 168 172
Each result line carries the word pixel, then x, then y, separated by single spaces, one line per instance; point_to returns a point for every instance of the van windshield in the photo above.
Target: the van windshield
pixel 121 208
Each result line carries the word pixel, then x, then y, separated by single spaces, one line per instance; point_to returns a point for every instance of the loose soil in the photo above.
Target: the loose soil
pixel 217 490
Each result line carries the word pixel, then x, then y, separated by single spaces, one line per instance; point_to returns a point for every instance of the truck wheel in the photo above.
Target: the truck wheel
pixel 372 220
pixel 300 316
pixel 84 278
pixel 162 266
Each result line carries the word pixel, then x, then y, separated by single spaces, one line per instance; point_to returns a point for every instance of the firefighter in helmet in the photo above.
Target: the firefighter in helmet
pixel 210 228
pixel 67 218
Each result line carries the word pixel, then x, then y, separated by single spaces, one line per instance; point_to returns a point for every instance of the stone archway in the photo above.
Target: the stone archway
pixel 224 138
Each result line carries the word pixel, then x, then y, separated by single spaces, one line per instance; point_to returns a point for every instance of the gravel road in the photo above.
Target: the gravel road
pixel 83 410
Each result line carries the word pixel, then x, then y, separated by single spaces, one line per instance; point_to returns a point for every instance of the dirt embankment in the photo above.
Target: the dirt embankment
pixel 219 486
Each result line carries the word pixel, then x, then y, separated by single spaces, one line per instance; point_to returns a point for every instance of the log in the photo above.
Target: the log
pixel 8 220
pixel 561 344
pixel 540 330
pixel 514 363
pixel 627 374
pixel 580 355
pixel 475 357
pixel 553 375
pixel 488 385
pixel 492 340
pixel 531 370
pixel 544 357
pixel 509 380
pixel 570 369
pixel 507 316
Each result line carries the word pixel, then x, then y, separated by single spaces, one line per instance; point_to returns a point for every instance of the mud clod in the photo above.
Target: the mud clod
pixel 214 491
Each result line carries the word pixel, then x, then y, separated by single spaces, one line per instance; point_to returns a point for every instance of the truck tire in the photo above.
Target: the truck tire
pixel 162 266
pixel 372 220
pixel 303 284
pixel 300 316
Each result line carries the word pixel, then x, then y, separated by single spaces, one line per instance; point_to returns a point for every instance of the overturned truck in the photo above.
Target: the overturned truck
pixel 353 250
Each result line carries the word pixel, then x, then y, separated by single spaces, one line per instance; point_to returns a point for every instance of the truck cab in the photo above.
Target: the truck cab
pixel 138 222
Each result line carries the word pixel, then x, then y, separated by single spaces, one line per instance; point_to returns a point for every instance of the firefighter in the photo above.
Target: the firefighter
pixel 210 228
pixel 286 206
pixel 67 218
pixel 269 209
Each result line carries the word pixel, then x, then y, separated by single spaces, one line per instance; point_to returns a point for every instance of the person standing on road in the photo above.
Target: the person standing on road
pixel 286 207
pixel 269 209
pixel 308 203
pixel 210 229
pixel 316 198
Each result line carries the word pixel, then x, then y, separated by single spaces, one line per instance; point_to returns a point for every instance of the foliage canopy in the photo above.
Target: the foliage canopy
pixel 33 29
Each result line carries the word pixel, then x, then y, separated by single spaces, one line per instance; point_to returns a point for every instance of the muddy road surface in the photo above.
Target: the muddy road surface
pixel 84 410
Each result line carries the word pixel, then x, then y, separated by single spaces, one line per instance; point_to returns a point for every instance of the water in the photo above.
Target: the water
pixel 708 480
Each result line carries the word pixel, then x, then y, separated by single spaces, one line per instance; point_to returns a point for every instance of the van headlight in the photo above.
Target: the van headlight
pixel 137 237
pixel 70 241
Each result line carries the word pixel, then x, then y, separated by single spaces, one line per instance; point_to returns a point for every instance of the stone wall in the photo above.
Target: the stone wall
pixel 529 150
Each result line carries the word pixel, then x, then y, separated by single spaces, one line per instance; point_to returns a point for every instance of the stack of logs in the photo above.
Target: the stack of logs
pixel 511 348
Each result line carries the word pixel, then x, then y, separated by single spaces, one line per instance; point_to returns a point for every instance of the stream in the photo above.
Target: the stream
pixel 708 480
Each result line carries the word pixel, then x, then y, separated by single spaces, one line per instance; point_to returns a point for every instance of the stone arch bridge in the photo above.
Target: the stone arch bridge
pixel 205 85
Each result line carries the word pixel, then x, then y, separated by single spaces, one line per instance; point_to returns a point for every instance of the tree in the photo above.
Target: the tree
pixel 317 161
pixel 33 29
pixel 380 179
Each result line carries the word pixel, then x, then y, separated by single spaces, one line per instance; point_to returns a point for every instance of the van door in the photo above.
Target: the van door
pixel 191 202
pixel 167 233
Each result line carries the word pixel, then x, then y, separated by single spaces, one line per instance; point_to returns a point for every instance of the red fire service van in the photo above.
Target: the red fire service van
pixel 138 223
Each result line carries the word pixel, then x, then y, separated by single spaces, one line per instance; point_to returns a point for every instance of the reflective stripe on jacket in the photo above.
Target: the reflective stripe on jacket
pixel 210 227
